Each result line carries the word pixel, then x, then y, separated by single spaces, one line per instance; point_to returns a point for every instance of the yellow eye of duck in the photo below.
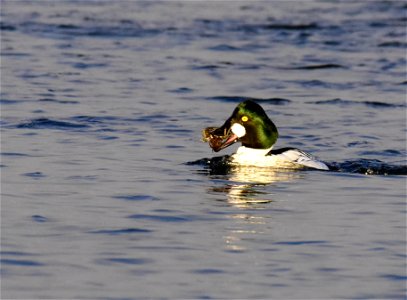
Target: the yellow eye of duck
pixel 245 118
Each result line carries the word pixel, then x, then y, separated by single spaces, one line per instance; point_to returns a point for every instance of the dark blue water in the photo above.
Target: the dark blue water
pixel 102 106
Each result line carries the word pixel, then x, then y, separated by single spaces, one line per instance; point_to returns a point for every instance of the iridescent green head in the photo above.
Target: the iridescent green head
pixel 250 125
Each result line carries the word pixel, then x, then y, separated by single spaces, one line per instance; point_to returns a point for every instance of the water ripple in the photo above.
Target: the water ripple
pixel 45 123
pixel 320 66
pixel 85 29
pixel 39 219
pixel 21 262
pixel 237 99
pixel 374 104
pixel 135 197
pixel 35 175
pixel 299 243
pixel 162 218
pixel 368 167
pixel 51 100
pixel 123 231
pixel 126 261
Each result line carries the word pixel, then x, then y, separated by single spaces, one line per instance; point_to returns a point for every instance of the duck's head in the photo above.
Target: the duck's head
pixel 248 124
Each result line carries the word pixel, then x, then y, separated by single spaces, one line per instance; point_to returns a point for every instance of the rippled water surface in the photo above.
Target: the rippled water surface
pixel 102 104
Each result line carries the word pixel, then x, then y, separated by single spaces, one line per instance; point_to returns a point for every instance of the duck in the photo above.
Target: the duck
pixel 250 125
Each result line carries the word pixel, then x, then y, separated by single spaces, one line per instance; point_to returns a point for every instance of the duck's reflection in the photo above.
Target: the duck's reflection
pixel 248 189
pixel 245 187
pixel 246 227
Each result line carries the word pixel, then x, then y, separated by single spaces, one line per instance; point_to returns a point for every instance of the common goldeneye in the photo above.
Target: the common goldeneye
pixel 250 125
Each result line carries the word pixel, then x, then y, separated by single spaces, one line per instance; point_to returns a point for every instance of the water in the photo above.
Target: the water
pixel 102 104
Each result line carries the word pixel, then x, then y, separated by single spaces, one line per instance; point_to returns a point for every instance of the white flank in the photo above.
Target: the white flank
pixel 292 159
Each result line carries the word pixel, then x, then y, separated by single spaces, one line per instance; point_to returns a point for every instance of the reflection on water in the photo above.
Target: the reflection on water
pixel 251 226
pixel 242 189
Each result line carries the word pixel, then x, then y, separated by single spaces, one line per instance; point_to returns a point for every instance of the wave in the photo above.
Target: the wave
pixel 45 123
pixel 220 165
pixel 368 167
pixel 283 101
pixel 290 26
pixel 238 99
pixel 319 66
pixel 376 104
pixel 58 101
pixel 94 29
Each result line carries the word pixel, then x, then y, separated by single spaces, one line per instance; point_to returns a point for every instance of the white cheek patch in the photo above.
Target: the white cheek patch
pixel 238 129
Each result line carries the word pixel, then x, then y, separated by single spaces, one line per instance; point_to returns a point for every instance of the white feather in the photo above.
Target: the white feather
pixel 293 159
pixel 303 158
pixel 238 129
